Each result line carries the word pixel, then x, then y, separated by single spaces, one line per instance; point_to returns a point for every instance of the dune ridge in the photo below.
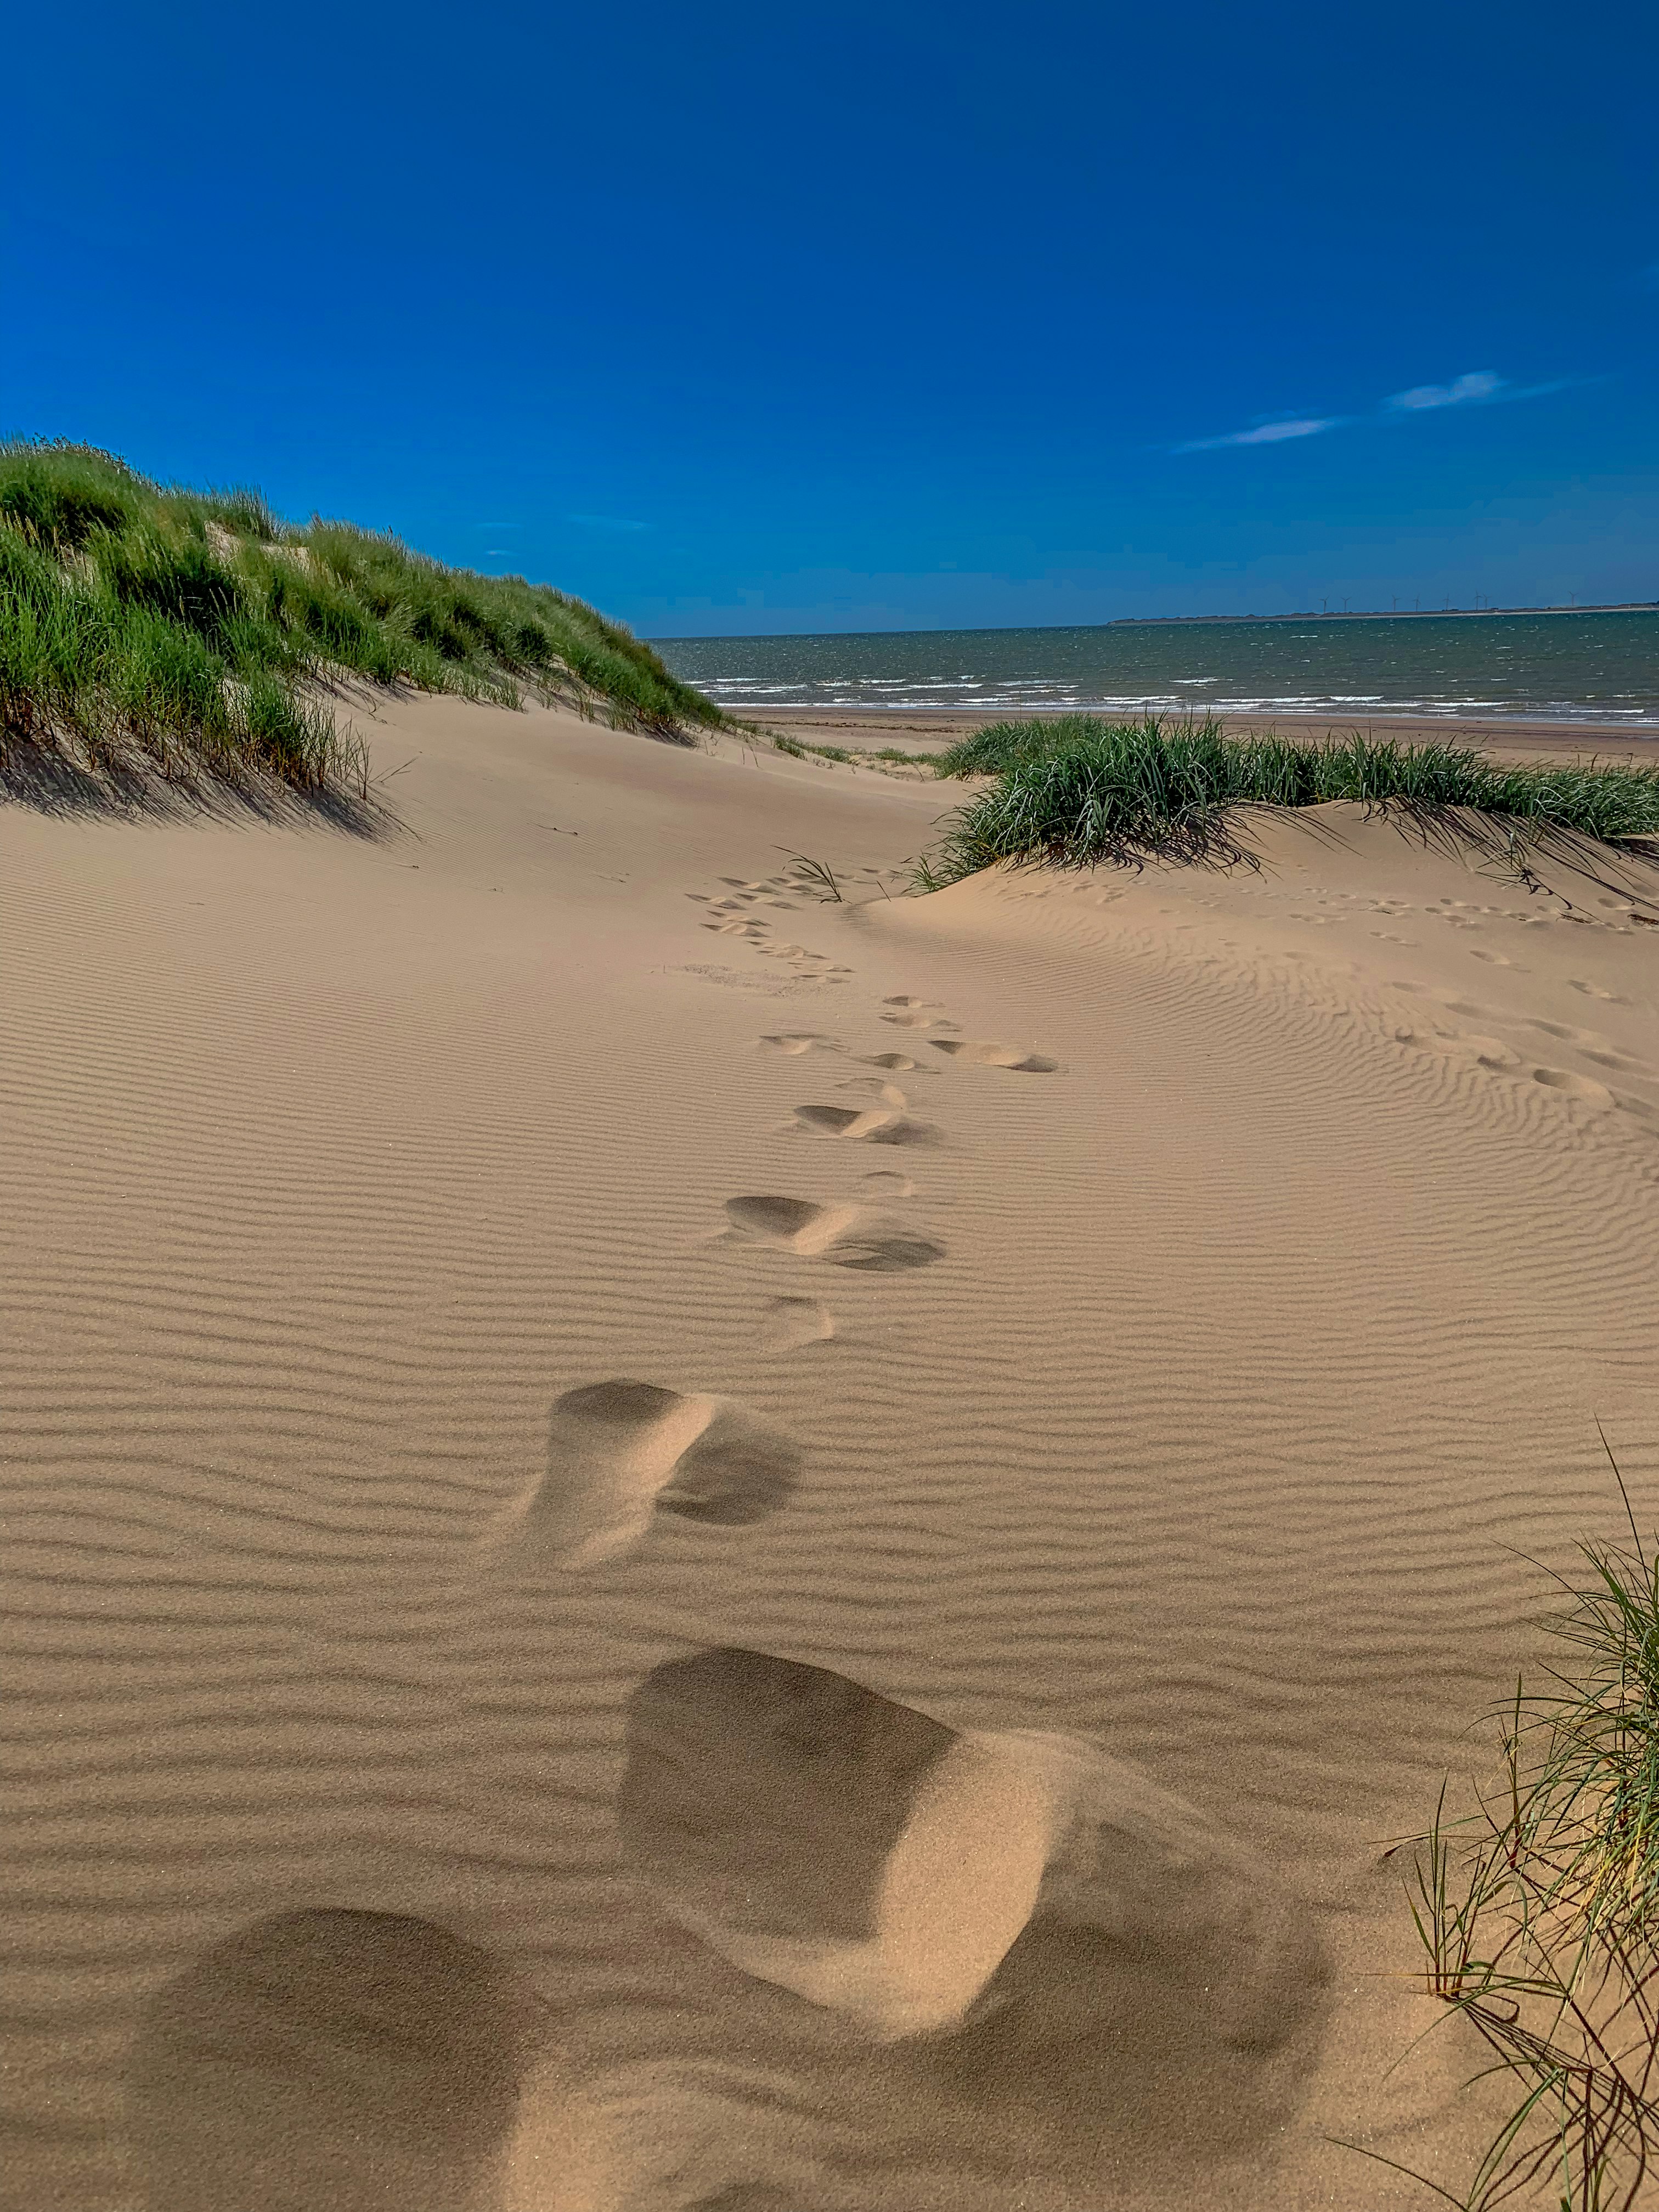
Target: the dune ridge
pixel 1258 1342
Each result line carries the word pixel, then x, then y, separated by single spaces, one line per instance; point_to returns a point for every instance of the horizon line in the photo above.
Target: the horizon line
pixel 1124 622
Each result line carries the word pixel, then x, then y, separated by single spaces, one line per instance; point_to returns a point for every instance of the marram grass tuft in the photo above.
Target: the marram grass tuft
pixel 1076 791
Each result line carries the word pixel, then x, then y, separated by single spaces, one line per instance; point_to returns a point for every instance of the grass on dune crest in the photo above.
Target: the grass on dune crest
pixel 1539 1913
pixel 1076 791
pixel 185 632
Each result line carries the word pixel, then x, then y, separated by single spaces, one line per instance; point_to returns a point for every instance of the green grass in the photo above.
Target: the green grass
pixel 1076 791
pixel 183 633
pixel 1539 1913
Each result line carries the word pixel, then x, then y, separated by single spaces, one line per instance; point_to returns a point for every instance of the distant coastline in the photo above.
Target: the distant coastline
pixel 1390 614
pixel 1541 665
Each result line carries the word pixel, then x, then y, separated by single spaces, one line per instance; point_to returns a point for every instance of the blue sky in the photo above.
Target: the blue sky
pixel 737 317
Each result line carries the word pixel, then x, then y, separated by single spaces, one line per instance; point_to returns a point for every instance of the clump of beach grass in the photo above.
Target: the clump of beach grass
pixel 1076 791
pixel 1538 1913
pixel 146 628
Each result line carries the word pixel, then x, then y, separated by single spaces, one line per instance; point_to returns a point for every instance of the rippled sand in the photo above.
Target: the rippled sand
pixel 674 1545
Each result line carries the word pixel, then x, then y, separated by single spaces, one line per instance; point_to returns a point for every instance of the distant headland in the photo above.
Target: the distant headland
pixel 1389 614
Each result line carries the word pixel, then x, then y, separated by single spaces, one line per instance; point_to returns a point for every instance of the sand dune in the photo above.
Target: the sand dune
pixel 590 1627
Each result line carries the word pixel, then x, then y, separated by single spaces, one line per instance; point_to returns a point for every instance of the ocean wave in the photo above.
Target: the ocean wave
pixel 853 695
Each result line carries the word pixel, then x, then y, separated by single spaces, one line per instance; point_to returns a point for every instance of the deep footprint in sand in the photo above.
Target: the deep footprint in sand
pixel 1582 1087
pixel 331 2058
pixel 791 1324
pixel 900 1062
pixel 1016 1912
pixel 869 1125
pixel 873 1086
pixel 908 1013
pixel 621 1452
pixel 844 1235
pixel 981 1052
pixel 887 1183
pixel 796 1041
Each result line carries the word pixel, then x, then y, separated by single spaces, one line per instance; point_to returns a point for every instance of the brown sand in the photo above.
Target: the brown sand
pixel 802 1574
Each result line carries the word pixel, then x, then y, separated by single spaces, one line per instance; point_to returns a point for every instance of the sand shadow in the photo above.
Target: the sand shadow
pixel 49 781
pixel 331 2061
pixel 1075 1958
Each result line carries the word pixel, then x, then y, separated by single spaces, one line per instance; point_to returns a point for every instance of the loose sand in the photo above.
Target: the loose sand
pixel 674 1546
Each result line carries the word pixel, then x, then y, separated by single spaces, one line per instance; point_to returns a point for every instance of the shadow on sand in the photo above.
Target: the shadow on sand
pixel 50 782
pixel 332 2061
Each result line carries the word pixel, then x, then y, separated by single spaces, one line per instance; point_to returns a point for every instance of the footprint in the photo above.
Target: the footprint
pixel 1486 1051
pixel 1059 1931
pixel 873 1125
pixel 1617 1061
pixel 900 1062
pixel 979 1052
pixel 797 1223
pixel 887 1183
pixel 907 1019
pixel 796 1042
pixel 621 1452
pixel 1596 991
pixel 1584 1087
pixel 790 1324
pixel 1500 960
pixel 331 2058
pixel 844 1235
pixel 889 1093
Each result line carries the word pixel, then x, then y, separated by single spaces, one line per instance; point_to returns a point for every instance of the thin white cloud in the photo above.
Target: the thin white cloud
pixel 1462 391
pixel 1476 387
pixel 1265 434
pixel 607 522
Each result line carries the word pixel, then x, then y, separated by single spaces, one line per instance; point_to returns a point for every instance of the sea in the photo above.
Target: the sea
pixel 1586 667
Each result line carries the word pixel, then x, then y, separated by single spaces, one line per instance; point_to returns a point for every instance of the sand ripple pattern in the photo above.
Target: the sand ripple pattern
pixel 305 1239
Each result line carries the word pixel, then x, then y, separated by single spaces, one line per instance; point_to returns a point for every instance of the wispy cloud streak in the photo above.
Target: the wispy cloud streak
pixel 1476 387
pixel 1265 434
pixel 1462 391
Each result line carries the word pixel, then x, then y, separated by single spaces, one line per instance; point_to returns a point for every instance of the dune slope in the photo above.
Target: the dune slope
pixel 835 1533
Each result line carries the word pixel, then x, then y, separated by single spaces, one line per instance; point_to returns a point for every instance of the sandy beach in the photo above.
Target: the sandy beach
pixel 682 1546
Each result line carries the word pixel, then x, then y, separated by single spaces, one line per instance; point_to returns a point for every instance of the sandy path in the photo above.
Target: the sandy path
pixel 1179 1364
